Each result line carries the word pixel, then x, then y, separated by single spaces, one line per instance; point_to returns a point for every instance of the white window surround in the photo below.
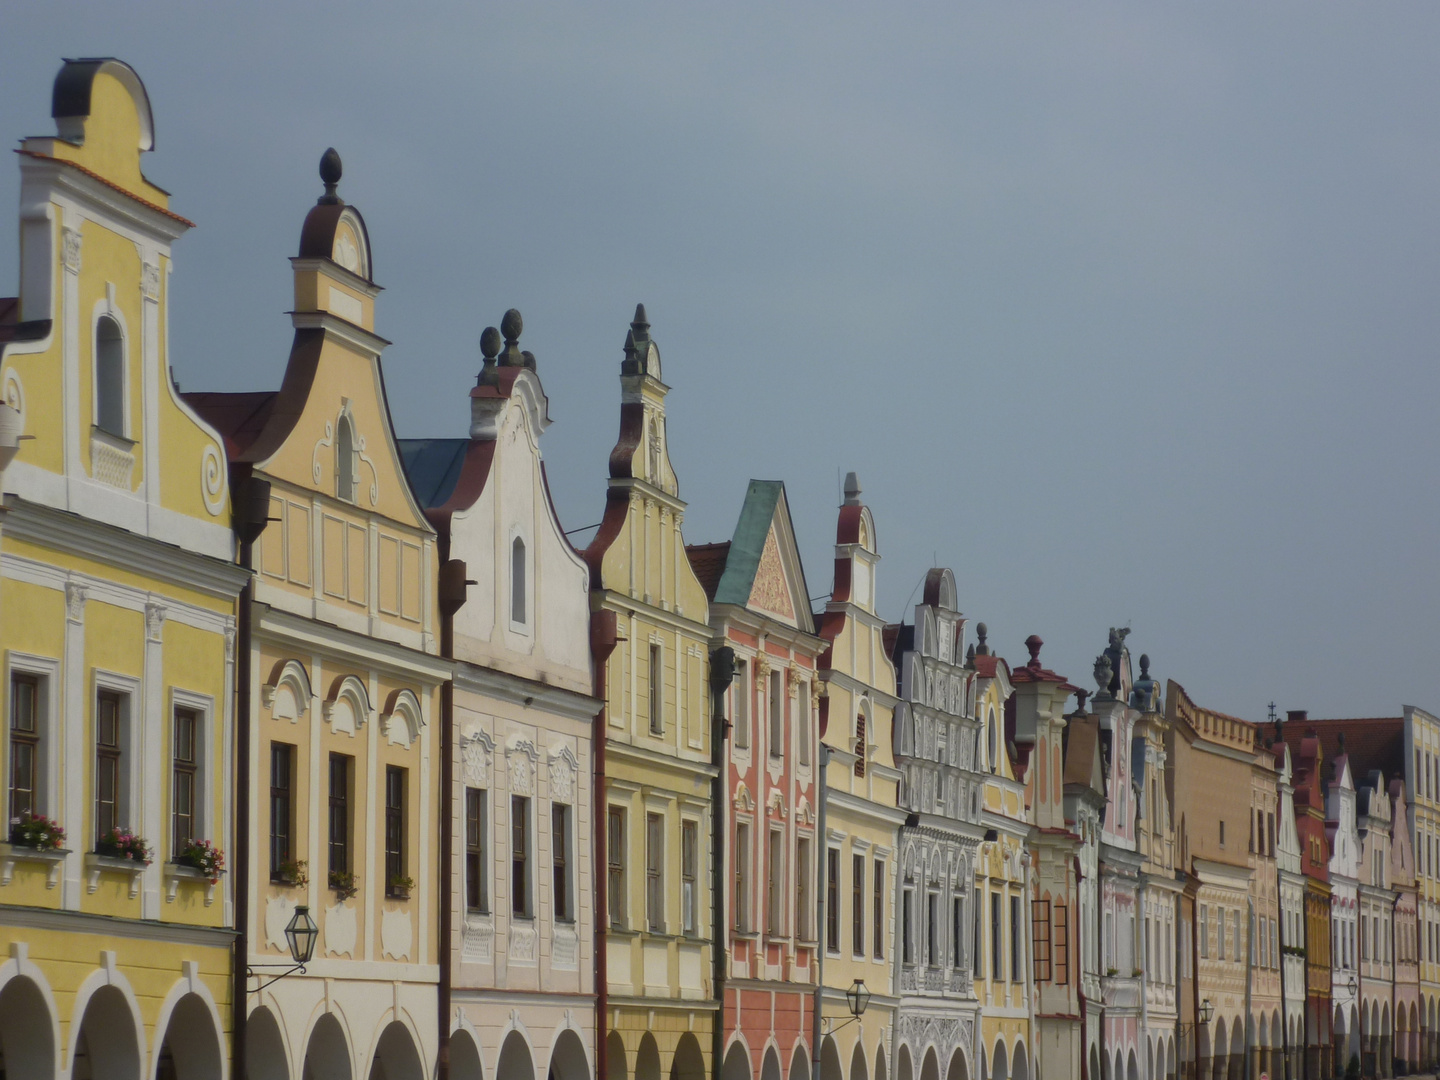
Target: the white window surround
pixel 203 704
pixel 47 673
pixel 525 627
pixel 105 309
pixel 129 689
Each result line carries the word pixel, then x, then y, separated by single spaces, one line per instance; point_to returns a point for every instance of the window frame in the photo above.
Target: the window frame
pixel 740 703
pixel 562 862
pixel 742 858
pixel 832 899
pixel 615 866
pixel 105 312
pixel 477 843
pixel 31 739
pixel 689 876
pixel 341 804
pixel 522 903
pixel 656 689
pixel 655 871
pixel 877 910
pixel 524 597
pixel 46 673
pixel 184 777
pixel 285 792
pixel 396 826
pixel 857 904
pixel 775 713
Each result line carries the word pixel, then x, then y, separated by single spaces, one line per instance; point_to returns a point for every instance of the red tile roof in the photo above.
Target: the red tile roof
pixel 708 562
pixel 108 183
pixel 238 417
pixel 1370 743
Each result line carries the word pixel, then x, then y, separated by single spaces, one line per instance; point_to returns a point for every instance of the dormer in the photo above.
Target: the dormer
pixel 333 273
pixel 856 551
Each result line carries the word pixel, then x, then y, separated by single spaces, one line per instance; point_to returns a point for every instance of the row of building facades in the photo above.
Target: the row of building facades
pixel 625 812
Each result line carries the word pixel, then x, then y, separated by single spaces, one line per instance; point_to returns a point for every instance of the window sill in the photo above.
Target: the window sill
pixel 176 873
pixel 398 897
pixel 623 931
pixel 565 920
pixel 10 854
pixel 477 913
pixel 95 865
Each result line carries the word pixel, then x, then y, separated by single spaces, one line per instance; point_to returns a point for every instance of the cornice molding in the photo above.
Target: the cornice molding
pixel 522 691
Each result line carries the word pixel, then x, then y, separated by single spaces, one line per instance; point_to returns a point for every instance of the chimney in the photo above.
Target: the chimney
pixel 1296 716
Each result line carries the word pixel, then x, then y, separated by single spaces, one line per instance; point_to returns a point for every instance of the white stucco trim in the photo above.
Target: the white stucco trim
pixel 107 975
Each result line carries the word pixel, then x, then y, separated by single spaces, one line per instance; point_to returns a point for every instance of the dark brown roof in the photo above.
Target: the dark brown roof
pixel 1370 743
pixel 708 562
pixel 239 417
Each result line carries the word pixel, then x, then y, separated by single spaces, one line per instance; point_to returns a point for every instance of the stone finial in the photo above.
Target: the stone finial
pixel 1144 665
pixel 970 655
pixel 1102 674
pixel 981 632
pixel 1033 643
pixel 639 324
pixel 529 358
pixel 1081 696
pixel 852 489
pixel 511 326
pixel 490 343
pixel 330 172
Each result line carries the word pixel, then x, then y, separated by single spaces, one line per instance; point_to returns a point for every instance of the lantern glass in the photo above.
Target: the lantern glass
pixel 302 933
pixel 858 997
pixel 1206 1011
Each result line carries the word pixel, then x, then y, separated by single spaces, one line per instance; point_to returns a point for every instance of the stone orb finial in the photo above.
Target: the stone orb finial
pixel 511 325
pixel 490 343
pixel 330 173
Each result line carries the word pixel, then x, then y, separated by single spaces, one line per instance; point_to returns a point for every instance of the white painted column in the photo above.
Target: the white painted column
pixel 148 745
pixel 70 245
pixel 225 835
pixel 151 373
pixel 73 683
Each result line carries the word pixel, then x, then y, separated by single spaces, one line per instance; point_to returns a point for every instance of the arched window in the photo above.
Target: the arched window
pixel 517 581
pixel 345 460
pixel 109 377
pixel 992 743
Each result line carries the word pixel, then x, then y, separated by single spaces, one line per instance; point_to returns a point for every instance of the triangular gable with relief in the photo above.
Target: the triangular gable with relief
pixel 763 571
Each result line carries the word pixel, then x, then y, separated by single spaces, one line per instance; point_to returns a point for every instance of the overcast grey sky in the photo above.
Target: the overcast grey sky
pixel 1125 312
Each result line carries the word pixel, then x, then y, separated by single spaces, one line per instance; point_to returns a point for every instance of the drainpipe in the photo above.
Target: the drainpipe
pixel 1249 981
pixel 604 634
pixel 251 513
pixel 1195 932
pixel 1284 1001
pixel 1305 1012
pixel 452 596
pixel 822 862
pixel 1079 968
pixel 1100 951
pixel 722 672
pixel 1145 979
pixel 1394 1020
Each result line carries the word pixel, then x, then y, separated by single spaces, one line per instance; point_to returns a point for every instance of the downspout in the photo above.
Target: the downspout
pixel 1145 997
pixel 604 634
pixel 1305 1012
pixel 1394 1020
pixel 1284 1003
pixel 822 863
pixel 1100 952
pixel 1195 931
pixel 452 596
pixel 722 672
pixel 1249 981
pixel 251 513
pixel 1079 969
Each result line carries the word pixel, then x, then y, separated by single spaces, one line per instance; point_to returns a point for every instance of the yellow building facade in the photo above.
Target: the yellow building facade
pixel 860 815
pixel 658 764
pixel 345 802
pixel 117 600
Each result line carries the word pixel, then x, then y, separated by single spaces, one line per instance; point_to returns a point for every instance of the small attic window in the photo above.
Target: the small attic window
pixel 345 460
pixel 517 581
pixel 109 377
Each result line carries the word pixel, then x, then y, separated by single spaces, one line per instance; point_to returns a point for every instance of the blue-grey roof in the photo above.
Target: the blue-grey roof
pixel 748 543
pixel 433 467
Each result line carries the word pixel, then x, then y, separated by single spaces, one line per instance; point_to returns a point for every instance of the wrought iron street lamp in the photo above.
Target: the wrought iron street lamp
pixel 857 998
pixel 301 933
pixel 1206 1013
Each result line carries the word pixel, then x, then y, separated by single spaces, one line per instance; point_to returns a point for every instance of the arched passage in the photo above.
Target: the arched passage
pixel 465 1061
pixel 515 1061
pixel 617 1064
pixel 689 1063
pixel 191 1049
pixel 1218 1050
pixel 1237 1051
pixel 904 1067
pixel 567 1059
pixel 999 1063
pixel 737 1063
pixel 858 1069
pixel 800 1063
pixel 265 1047
pixel 1020 1066
pixel 1132 1067
pixel 327 1055
pixel 930 1070
pixel 27 1030
pixel 830 1060
pixel 770 1068
pixel 881 1069
pixel 958 1069
pixel 106 1048
pixel 397 1057
pixel 1095 1063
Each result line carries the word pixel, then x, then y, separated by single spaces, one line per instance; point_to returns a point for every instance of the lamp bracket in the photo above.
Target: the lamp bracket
pixel 255 971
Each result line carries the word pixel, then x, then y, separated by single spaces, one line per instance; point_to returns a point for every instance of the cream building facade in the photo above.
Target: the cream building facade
pixel 345 800
pixel 117 601
pixel 659 762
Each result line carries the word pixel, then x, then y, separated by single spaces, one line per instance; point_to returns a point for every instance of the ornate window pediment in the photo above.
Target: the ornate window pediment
pixel 403 717
pixel 287 694
pixel 348 707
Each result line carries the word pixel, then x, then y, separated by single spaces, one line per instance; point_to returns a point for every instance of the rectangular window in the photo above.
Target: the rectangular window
pixel 775 885
pixel 1060 949
pixel 339 814
pixel 560 860
pixel 657 692
pixel 932 929
pixel 907 926
pixel 976 958
pixel 108 706
pixel 1040 922
pixel 957 931
pixel 1017 961
pixel 877 915
pixel 655 872
pixel 832 899
pixel 520 856
pixel 395 862
pixel 777 714
pixel 1204 932
pixel 741 711
pixel 182 781
pixel 615 870
pixel 997 938
pixel 1270 833
pixel 689 867
pixel 24 746
pixel 804 910
pixel 477 837
pixel 1235 939
pixel 1222 834
pixel 803 720
pixel 282 806
pixel 742 878
pixel 857 904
